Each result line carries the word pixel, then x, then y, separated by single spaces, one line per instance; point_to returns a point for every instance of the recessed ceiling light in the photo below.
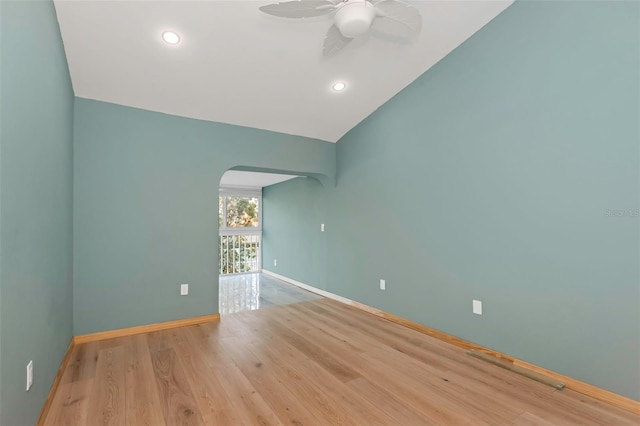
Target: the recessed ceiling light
pixel 339 86
pixel 170 37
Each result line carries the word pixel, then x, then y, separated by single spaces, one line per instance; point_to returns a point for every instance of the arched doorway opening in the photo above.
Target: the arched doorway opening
pixel 242 286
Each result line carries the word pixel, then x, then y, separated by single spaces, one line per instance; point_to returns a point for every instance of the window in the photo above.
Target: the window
pixel 237 210
pixel 239 220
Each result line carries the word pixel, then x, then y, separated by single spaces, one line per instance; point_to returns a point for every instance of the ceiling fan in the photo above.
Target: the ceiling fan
pixel 353 18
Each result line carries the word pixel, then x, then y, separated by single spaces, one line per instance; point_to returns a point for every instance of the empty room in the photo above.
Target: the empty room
pixel 319 212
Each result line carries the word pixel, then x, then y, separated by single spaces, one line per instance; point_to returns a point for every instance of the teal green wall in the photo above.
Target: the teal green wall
pixel 146 207
pixel 36 206
pixel 292 214
pixel 490 178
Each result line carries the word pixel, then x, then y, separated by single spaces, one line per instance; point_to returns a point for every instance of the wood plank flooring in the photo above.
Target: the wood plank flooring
pixel 315 362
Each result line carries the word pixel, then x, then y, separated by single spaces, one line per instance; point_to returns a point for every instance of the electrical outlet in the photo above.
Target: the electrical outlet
pixel 184 289
pixel 477 307
pixel 383 285
pixel 322 227
pixel 275 262
pixel 29 375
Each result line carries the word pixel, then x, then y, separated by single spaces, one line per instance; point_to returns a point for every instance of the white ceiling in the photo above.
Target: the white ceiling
pixel 238 178
pixel 237 65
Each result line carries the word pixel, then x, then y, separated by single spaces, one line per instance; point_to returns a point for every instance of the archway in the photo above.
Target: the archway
pixel 240 241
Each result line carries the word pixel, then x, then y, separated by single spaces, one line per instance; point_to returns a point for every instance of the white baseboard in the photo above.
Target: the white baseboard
pixel 308 287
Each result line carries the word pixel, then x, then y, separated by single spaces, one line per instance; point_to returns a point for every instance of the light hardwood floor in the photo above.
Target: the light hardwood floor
pixel 314 362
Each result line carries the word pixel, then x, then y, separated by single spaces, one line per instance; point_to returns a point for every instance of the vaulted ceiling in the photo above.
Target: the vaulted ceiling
pixel 237 65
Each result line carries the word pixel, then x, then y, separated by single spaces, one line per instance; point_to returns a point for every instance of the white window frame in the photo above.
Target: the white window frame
pixel 238 191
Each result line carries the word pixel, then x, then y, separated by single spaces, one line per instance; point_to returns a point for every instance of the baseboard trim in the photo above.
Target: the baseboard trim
pixel 308 287
pixel 54 386
pixel 584 388
pixel 140 329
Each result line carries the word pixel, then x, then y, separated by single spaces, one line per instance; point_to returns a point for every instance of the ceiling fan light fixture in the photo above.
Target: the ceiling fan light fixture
pixel 354 18
pixel 170 37
pixel 338 86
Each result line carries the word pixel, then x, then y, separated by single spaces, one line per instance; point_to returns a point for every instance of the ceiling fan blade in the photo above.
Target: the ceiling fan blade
pixel 299 9
pixel 334 41
pixel 391 29
pixel 401 13
pixel 333 2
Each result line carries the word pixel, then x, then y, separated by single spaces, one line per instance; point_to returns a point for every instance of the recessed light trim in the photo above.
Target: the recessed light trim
pixel 170 37
pixel 339 86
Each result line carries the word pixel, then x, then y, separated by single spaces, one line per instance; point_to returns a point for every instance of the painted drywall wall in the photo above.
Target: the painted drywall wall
pixel 292 216
pixel 1 105
pixel 508 173
pixel 36 206
pixel 145 208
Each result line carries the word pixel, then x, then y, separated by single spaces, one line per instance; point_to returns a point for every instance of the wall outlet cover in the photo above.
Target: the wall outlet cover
pixel 383 285
pixel 184 289
pixel 477 307
pixel 29 375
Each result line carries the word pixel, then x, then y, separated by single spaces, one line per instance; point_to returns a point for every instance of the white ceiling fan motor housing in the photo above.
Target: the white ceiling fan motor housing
pixel 354 18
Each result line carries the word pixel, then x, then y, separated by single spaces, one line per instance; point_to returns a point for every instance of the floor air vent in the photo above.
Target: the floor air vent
pixel 517 369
